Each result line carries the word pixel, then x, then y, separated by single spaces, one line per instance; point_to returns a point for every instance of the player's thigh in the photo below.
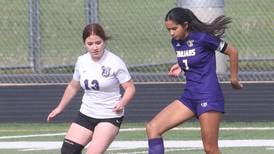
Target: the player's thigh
pixel 210 124
pixel 79 134
pixel 171 116
pixel 104 134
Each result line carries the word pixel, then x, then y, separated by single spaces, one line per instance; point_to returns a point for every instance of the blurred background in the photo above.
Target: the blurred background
pixel 40 40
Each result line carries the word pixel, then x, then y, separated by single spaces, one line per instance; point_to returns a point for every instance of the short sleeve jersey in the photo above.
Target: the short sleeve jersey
pixel 101 83
pixel 196 57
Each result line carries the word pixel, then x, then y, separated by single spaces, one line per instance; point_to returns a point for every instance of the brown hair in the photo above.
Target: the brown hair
pixel 94 29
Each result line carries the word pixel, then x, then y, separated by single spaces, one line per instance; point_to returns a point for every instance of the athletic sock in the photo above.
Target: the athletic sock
pixel 156 146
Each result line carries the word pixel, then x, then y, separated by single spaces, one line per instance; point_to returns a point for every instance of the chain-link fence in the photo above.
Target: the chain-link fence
pixel 41 39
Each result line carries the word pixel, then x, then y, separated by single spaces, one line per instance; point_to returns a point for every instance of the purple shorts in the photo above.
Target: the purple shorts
pixel 199 107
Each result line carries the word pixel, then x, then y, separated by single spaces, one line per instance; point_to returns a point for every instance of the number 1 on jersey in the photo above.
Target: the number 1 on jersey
pixel 186 64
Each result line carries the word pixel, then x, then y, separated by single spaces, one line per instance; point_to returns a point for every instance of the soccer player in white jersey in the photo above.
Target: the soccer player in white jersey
pixel 195 44
pixel 100 73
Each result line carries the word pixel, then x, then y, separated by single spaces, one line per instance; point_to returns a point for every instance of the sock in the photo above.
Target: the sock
pixel 156 146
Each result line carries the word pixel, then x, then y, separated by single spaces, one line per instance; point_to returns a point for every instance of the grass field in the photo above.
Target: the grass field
pixel 46 138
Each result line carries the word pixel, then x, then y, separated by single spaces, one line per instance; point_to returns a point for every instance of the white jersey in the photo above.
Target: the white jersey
pixel 101 83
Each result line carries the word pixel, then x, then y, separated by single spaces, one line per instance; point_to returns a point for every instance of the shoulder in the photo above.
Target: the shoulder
pixel 205 38
pixel 113 57
pixel 83 57
pixel 199 36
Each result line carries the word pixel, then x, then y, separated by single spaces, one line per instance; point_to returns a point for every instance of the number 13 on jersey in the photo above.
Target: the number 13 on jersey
pixel 94 84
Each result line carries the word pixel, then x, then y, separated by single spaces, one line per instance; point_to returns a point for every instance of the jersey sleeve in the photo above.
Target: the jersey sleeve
pixel 213 43
pixel 122 72
pixel 76 74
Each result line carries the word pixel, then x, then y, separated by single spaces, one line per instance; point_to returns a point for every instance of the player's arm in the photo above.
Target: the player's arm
pixel 233 60
pixel 70 91
pixel 129 88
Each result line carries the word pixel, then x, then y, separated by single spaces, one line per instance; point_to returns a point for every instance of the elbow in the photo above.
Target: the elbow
pixel 130 89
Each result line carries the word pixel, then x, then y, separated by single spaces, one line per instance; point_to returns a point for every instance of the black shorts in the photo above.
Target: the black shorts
pixel 90 123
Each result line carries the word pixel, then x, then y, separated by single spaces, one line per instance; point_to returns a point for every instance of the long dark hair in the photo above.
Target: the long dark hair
pixel 182 16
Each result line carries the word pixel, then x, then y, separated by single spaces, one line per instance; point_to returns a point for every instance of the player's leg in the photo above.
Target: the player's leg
pixel 76 139
pixel 104 134
pixel 170 117
pixel 210 123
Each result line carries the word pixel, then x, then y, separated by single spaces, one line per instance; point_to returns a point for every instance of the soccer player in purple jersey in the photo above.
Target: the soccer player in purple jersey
pixel 195 44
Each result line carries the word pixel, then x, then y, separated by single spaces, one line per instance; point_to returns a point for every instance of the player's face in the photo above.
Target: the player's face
pixel 95 46
pixel 176 31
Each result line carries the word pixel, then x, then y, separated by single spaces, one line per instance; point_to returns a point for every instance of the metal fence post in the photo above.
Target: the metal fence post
pixel 207 10
pixel 34 36
pixel 92 11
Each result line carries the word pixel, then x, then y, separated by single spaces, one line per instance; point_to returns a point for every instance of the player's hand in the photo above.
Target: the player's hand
pixel 175 70
pixel 53 114
pixel 119 107
pixel 236 84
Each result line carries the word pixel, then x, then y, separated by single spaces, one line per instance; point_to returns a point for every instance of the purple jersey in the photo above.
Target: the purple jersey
pixel 196 57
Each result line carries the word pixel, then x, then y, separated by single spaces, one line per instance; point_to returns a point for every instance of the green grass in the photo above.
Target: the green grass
pixel 14 129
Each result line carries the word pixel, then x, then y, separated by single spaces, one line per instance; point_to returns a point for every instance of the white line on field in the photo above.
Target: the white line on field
pixel 197 128
pixel 140 129
pixel 270 148
pixel 35 135
pixel 166 150
pixel 120 145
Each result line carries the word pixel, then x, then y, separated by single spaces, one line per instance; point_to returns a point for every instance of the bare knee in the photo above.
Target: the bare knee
pixel 152 131
pixel 148 128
